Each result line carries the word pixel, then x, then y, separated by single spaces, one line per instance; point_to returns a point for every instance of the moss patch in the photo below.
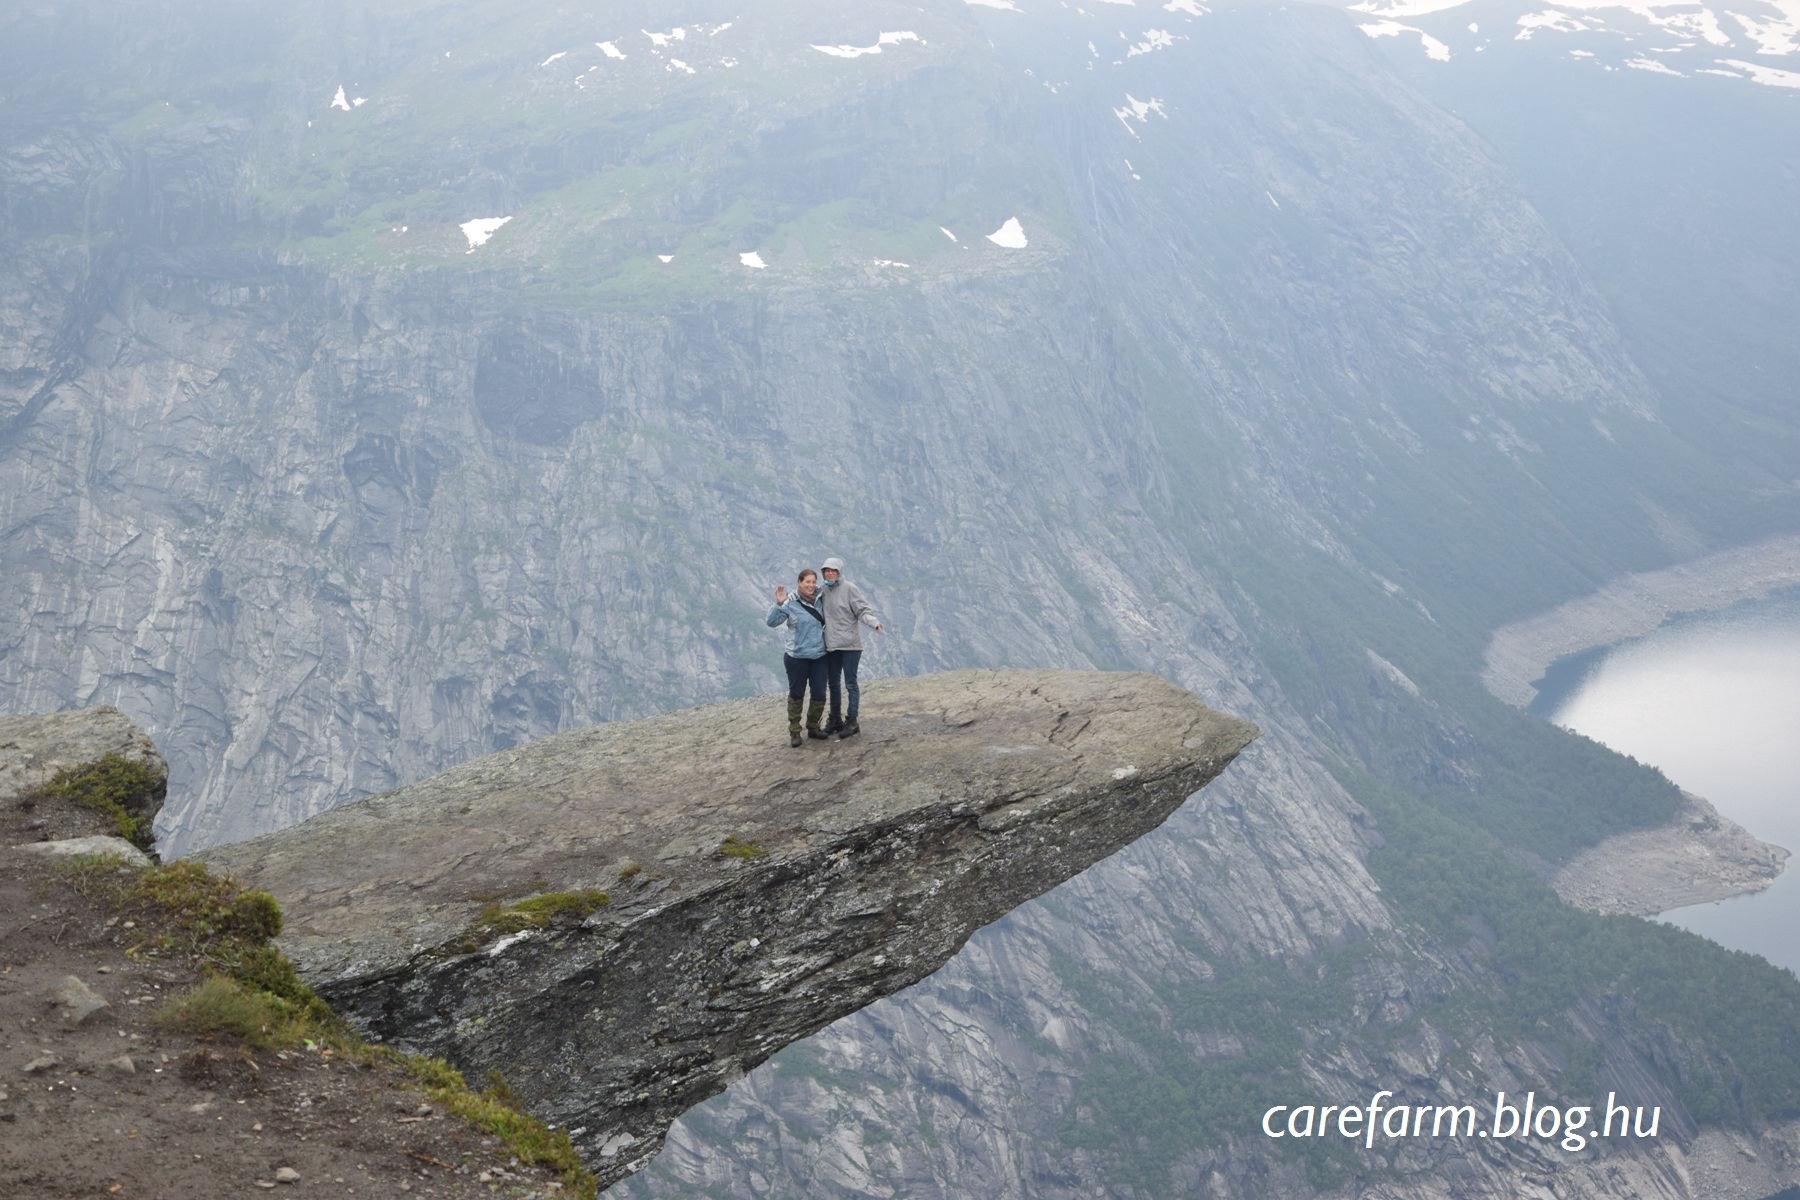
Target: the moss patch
pixel 735 847
pixel 538 912
pixel 497 1110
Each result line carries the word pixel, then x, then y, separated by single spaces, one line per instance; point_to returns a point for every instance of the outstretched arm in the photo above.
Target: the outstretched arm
pixel 865 612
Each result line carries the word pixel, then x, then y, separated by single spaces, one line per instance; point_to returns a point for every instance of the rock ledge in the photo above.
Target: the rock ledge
pixel 758 892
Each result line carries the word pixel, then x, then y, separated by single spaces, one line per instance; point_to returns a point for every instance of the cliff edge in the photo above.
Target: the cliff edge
pixel 623 919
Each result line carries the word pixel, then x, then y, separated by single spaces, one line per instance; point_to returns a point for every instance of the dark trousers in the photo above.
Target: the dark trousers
pixel 804 673
pixel 840 667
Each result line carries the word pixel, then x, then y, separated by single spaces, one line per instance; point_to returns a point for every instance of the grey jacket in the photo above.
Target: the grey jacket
pixel 846 612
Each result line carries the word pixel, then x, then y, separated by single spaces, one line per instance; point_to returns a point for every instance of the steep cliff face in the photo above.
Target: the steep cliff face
pixel 464 914
pixel 1289 396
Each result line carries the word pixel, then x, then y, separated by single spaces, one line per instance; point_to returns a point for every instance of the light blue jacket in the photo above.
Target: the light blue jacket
pixel 806 635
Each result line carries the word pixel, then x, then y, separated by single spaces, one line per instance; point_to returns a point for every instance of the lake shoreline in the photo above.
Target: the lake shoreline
pixel 1697 857
pixel 1518 654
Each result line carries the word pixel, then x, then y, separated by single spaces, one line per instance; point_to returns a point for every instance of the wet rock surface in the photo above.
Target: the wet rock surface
pixel 757 892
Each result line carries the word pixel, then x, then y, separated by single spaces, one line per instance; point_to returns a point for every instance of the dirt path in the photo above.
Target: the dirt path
pixel 109 1106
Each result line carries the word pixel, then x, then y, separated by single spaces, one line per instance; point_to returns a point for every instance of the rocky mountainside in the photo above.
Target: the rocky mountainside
pixel 382 387
pixel 543 480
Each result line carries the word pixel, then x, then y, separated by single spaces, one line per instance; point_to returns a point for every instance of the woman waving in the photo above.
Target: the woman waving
pixel 805 657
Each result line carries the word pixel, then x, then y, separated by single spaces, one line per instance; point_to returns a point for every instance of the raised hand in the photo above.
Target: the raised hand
pixel 780 594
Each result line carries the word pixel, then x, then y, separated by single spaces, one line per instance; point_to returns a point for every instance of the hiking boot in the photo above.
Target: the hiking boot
pixel 794 709
pixel 850 730
pixel 795 739
pixel 814 713
pixel 834 724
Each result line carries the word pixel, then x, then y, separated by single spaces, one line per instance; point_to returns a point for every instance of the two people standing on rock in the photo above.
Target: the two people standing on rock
pixel 824 649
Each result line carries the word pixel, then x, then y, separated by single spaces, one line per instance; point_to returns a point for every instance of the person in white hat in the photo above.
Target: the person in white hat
pixel 846 612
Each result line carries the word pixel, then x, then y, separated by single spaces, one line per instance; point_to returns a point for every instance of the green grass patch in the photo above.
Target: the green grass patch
pixel 497 1110
pixel 222 1005
pixel 114 785
pixel 540 911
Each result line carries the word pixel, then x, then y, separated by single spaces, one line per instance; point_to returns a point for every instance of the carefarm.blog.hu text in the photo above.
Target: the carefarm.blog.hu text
pixel 1511 1120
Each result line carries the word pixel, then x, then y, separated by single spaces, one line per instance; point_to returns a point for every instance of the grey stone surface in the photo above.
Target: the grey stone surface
pixel 79 1002
pixel 872 861
pixel 98 844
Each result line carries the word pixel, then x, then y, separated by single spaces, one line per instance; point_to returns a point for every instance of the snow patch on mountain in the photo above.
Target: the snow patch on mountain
pixel 1434 49
pixel 1778 35
pixel 1139 111
pixel 1768 76
pixel 480 230
pixel 1405 8
pixel 1683 20
pixel 1010 236
pixel 885 39
pixel 1552 20
pixel 1154 39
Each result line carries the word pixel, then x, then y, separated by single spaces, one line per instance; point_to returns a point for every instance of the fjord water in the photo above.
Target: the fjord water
pixel 1714 700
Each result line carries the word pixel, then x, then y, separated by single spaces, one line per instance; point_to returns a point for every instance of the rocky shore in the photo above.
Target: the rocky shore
pixel 1518 654
pixel 1698 857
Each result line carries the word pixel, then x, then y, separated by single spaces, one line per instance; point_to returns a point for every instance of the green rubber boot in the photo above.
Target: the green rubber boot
pixel 815 712
pixel 794 707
